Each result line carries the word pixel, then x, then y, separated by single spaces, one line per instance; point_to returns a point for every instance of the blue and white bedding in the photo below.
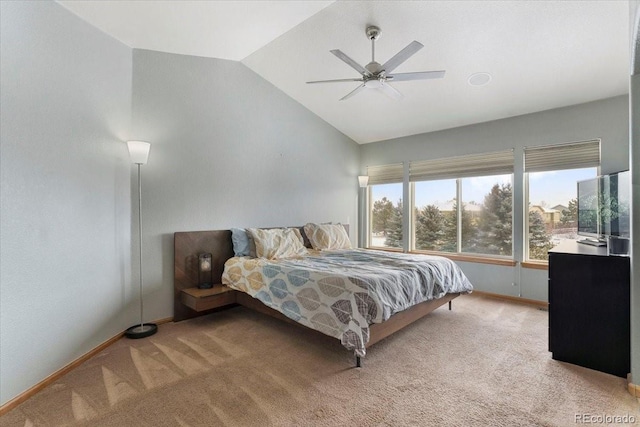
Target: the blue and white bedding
pixel 342 292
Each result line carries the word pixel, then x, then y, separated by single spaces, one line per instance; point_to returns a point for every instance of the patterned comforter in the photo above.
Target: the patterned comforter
pixel 341 293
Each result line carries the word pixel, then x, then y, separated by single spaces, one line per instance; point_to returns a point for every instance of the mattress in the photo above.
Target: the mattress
pixel 341 293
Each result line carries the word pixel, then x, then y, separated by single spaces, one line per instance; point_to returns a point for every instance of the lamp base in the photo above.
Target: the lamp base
pixel 141 331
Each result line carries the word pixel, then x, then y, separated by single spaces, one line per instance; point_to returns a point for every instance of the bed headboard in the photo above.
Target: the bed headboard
pixel 187 246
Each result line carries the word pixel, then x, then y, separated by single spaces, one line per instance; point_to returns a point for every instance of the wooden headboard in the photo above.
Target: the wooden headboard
pixel 187 246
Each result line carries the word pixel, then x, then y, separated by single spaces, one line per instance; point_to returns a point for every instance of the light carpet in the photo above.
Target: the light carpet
pixel 485 363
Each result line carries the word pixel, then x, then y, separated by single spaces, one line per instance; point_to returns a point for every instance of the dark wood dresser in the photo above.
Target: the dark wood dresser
pixel 589 308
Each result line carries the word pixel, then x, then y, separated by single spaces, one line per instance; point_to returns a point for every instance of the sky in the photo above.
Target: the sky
pixel 545 188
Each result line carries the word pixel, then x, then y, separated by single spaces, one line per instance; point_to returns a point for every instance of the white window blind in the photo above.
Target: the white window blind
pixel 572 155
pixel 385 174
pixel 495 163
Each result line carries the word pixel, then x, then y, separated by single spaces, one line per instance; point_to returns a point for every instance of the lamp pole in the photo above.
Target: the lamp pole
pixel 139 152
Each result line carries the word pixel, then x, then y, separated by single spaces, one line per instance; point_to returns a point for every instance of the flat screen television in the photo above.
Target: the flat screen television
pixel 588 207
pixel 603 206
pixel 615 198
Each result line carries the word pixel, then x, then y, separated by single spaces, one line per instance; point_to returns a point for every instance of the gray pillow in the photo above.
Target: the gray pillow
pixel 240 241
pixel 243 244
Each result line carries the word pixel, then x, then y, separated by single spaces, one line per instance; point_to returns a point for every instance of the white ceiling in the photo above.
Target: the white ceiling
pixel 541 54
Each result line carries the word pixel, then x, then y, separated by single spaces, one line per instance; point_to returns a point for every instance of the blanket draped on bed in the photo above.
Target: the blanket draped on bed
pixel 340 293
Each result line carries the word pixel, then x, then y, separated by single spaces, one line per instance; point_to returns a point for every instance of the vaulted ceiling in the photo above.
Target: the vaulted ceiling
pixel 539 54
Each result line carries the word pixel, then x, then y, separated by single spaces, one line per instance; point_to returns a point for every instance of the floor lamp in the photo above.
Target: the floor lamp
pixel 139 153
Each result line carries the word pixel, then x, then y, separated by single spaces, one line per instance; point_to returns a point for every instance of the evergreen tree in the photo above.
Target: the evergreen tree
pixel 394 227
pixel 430 228
pixel 450 234
pixel 469 230
pixel 539 239
pixel 570 215
pixel 495 225
pixel 381 214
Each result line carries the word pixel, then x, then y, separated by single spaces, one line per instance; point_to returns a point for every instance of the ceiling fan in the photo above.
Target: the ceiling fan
pixel 376 76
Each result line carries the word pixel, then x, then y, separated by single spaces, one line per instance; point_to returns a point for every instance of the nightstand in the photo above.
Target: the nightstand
pixel 206 299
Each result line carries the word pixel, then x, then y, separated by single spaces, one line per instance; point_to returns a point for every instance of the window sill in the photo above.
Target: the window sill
pixel 470 258
pixel 382 248
pixel 536 265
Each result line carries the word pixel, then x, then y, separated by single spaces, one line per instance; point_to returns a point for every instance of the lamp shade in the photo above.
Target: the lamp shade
pixel 139 151
pixel 363 180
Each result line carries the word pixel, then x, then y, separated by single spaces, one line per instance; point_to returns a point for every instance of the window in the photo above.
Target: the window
pixel 551 176
pixel 482 222
pixel 385 205
pixel 552 209
pixel 487 215
pixel 435 215
pixel 386 216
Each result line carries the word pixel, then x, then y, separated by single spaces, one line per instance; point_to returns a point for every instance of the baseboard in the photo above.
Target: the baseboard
pixel 66 369
pixel 536 303
pixel 634 389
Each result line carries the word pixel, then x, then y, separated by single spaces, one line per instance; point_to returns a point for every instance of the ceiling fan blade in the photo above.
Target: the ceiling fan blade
pixel 390 91
pixel 353 92
pixel 402 56
pixel 336 81
pixel 353 64
pixel 421 75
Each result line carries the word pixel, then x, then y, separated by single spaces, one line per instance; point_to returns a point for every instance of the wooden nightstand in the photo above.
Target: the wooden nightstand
pixel 206 299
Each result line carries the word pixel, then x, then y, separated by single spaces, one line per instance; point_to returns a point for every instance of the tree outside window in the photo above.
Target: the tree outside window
pixel 386 216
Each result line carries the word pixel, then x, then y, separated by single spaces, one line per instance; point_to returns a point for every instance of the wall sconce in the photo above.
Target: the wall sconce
pixel 204 271
pixel 363 180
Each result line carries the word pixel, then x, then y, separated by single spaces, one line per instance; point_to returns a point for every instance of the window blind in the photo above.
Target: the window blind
pixel 495 163
pixel 385 174
pixel 572 155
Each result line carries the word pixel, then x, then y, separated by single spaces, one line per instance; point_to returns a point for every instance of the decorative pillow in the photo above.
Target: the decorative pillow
pixel 252 246
pixel 278 242
pixel 240 241
pixel 327 236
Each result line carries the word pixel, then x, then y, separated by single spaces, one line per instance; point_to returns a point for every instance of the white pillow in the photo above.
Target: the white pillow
pixel 327 236
pixel 278 242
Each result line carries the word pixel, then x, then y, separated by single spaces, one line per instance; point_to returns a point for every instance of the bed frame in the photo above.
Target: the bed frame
pixel 187 246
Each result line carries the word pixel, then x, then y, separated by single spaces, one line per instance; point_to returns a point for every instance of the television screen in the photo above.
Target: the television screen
pixel 588 204
pixel 614 204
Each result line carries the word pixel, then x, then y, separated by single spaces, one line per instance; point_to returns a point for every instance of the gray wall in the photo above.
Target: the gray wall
pixel 229 149
pixel 635 229
pixel 634 153
pixel 64 191
pixel 606 119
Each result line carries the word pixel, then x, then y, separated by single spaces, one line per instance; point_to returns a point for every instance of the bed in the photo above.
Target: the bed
pixel 357 296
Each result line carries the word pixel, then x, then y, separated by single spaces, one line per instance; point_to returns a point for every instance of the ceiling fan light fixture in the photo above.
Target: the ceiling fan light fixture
pixel 479 79
pixel 375 75
pixel 373 83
